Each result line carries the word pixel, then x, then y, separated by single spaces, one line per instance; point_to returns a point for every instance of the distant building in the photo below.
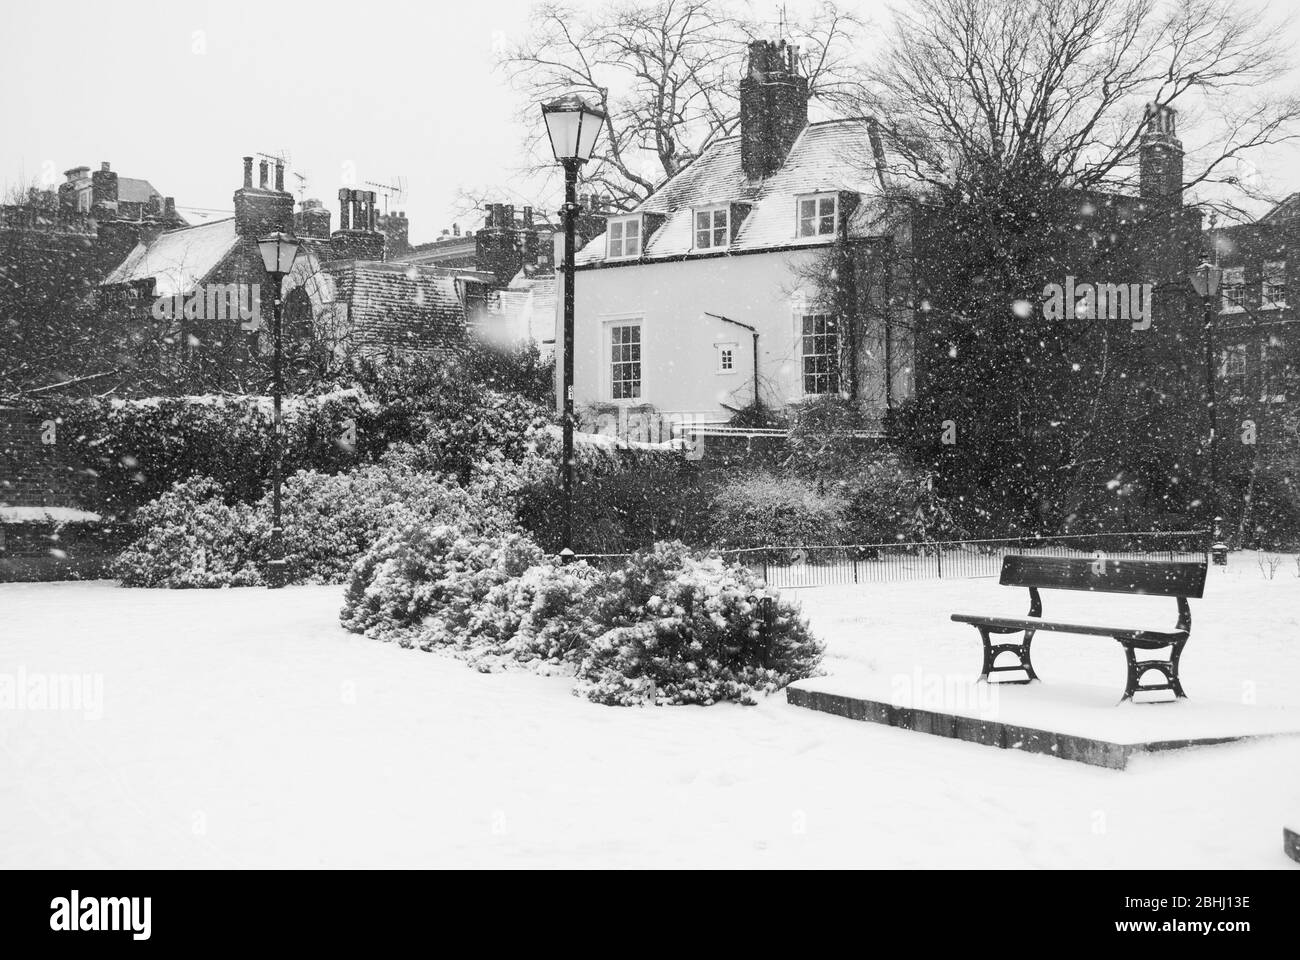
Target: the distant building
pixel 1255 331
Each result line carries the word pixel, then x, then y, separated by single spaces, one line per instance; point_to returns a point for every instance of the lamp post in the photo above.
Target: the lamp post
pixel 1206 283
pixel 278 250
pixel 573 126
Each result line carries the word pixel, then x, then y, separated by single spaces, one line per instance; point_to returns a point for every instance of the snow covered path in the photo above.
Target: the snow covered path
pixel 244 728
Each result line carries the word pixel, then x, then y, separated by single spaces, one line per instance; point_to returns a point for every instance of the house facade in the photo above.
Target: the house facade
pixel 756 274
pixel 1257 322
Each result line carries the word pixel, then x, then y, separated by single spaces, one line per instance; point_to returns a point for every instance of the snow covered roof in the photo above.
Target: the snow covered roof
pixel 178 259
pixel 830 156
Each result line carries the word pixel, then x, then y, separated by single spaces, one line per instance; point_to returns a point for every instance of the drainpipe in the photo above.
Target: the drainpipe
pixel 846 290
pixel 754 332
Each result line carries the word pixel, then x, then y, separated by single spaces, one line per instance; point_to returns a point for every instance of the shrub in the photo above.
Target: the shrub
pixel 672 627
pixel 138 449
pixel 541 616
pixel 192 537
pixel 329 521
pixel 682 628
pixel 888 499
pixel 763 510
pixel 624 500
pixel 418 584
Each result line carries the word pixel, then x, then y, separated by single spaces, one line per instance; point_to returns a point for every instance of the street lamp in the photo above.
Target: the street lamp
pixel 1205 281
pixel 278 250
pixel 573 126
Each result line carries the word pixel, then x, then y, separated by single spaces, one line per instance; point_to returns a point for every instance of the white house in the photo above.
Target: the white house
pixel 758 271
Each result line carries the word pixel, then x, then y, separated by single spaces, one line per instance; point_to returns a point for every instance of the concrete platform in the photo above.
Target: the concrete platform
pixel 1073 722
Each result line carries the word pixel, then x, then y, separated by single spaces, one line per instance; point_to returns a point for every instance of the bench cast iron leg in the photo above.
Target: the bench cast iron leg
pixel 1167 668
pixel 992 650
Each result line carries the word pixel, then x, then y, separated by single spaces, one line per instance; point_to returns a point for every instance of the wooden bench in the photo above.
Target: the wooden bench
pixel 1156 578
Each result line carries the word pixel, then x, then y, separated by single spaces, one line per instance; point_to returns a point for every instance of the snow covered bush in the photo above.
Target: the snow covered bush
pixel 420 582
pixel 764 510
pixel 543 615
pixel 331 519
pixel 681 627
pixel 191 536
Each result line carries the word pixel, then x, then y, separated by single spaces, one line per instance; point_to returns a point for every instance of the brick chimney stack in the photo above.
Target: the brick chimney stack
pixel 773 107
pixel 261 210
pixel 357 237
pixel 397 229
pixel 103 192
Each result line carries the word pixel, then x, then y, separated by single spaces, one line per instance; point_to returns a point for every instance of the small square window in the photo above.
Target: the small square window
pixel 726 354
pixel 624 237
pixel 817 215
pixel 712 228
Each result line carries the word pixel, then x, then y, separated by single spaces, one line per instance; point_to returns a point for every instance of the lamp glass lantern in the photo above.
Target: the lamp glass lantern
pixel 1206 279
pixel 279 250
pixel 573 126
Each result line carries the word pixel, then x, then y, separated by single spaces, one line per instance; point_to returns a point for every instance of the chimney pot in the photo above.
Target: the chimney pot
pixel 248 173
pixel 262 174
pixel 104 166
pixel 279 176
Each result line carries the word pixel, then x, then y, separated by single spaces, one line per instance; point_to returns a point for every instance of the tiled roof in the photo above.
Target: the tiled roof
pixel 400 306
pixel 178 259
pixel 830 156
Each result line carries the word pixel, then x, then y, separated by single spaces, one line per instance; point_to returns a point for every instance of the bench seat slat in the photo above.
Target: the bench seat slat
pixel 1153 638
pixel 1154 577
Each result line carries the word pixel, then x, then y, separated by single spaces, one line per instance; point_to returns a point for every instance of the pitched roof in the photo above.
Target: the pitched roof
pixel 136 191
pixel 1288 209
pixel 400 305
pixel 178 259
pixel 829 156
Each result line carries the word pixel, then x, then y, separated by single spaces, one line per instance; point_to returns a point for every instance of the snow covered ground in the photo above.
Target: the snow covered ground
pixel 244 728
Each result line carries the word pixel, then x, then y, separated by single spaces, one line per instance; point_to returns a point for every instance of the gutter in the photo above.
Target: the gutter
pixel 754 332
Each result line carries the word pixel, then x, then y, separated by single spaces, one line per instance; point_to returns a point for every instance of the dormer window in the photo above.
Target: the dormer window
pixel 712 228
pixel 818 214
pixel 624 238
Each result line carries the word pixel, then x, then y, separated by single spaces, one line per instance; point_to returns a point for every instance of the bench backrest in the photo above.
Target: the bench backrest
pixel 1160 578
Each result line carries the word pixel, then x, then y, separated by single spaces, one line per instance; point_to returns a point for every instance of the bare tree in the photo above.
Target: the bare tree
pixel 997 87
pixel 666 73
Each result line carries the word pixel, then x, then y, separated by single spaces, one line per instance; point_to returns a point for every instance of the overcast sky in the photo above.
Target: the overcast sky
pixel 177 92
